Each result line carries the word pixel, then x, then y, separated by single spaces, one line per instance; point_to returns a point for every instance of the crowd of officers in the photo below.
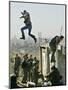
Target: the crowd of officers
pixel 30 68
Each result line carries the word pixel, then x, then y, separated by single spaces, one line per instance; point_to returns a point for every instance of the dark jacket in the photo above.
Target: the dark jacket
pixel 17 61
pixel 54 43
pixel 54 77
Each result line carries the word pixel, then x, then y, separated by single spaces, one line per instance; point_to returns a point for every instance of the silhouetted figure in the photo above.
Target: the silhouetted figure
pixel 25 69
pixel 30 66
pixel 53 46
pixel 17 65
pixel 54 76
pixel 28 25
pixel 35 70
pixel 13 83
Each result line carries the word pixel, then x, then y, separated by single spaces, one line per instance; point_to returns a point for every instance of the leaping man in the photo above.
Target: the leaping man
pixel 28 25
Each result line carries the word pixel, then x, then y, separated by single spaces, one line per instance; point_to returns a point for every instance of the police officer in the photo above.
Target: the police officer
pixel 28 25
pixel 30 66
pixel 25 68
pixel 35 70
pixel 17 65
pixel 53 45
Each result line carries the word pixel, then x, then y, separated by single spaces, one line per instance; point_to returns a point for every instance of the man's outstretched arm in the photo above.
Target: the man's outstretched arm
pixel 22 17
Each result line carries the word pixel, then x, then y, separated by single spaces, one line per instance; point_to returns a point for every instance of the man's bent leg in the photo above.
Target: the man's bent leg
pixel 25 76
pixel 32 35
pixel 53 56
pixel 22 31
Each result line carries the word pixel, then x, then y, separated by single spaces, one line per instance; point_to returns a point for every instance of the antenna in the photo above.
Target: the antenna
pixel 61 30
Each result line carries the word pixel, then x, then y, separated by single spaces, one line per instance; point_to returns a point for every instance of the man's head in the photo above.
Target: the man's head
pixel 30 56
pixel 25 56
pixel 24 11
pixel 61 37
pixel 53 68
pixel 16 55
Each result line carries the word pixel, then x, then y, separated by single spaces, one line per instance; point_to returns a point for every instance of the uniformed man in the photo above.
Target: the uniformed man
pixel 25 68
pixel 28 25
pixel 30 66
pixel 35 70
pixel 17 65
pixel 53 45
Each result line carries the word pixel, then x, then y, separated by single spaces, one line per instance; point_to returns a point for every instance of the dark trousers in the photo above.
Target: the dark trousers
pixel 26 75
pixel 29 27
pixel 53 50
pixel 16 70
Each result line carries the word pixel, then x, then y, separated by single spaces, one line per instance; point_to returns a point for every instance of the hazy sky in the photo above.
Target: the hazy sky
pixel 46 18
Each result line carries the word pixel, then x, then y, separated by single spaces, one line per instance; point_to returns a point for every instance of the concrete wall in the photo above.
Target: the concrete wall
pixel 60 61
pixel 61 64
